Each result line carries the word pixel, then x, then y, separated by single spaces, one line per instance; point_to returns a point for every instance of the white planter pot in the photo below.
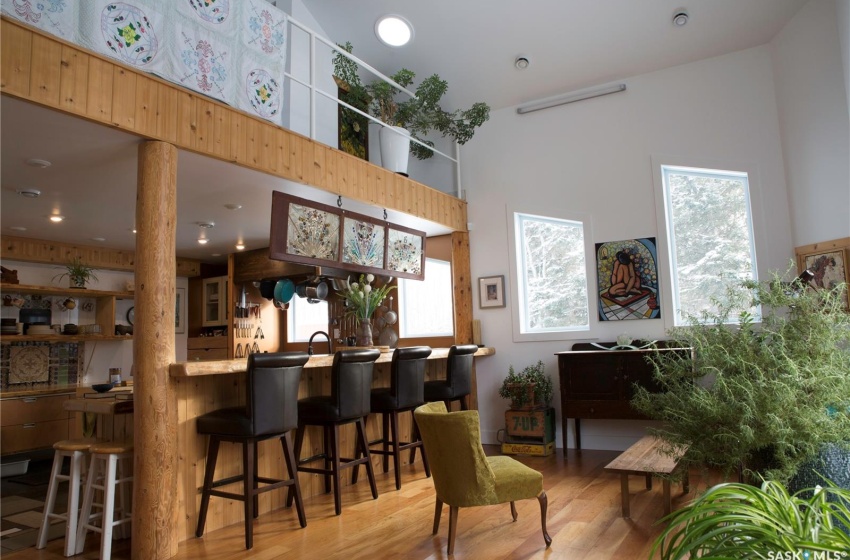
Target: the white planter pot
pixel 395 149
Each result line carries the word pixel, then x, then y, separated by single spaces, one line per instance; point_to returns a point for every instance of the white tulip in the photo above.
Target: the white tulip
pixel 367 288
pixel 354 285
pixel 370 277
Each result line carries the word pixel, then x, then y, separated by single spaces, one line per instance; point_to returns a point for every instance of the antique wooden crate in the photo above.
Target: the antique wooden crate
pixel 538 423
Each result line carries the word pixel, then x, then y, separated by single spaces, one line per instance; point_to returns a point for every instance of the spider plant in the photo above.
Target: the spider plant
pixel 737 520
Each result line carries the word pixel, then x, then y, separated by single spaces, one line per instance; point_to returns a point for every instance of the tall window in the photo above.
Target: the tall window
pixel 551 274
pixel 426 305
pixel 304 318
pixel 709 235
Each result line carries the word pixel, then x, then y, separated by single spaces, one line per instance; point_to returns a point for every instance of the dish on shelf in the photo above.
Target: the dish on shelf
pixel 40 329
pixel 102 387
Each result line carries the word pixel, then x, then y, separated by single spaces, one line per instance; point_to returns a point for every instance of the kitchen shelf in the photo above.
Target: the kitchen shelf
pixel 57 291
pixel 60 337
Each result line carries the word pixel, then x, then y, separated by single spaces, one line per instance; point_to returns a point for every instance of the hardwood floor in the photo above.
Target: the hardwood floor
pixel 584 520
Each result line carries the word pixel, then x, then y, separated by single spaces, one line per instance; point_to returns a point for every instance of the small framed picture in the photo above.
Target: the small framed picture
pixel 491 291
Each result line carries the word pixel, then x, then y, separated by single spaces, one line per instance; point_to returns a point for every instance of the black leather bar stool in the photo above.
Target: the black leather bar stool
pixel 406 392
pixel 458 382
pixel 271 411
pixel 351 384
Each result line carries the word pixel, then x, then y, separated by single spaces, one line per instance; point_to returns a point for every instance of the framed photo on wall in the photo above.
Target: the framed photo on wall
pixel 829 266
pixel 491 291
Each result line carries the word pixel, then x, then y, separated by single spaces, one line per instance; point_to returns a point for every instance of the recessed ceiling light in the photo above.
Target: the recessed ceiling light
pixel 240 246
pixel 18 228
pixel 522 62
pixel 203 240
pixel 56 218
pixel 394 31
pixel 29 193
pixel 133 230
pixel 99 239
pixel 206 225
pixel 233 206
pixel 40 163
pixel 680 18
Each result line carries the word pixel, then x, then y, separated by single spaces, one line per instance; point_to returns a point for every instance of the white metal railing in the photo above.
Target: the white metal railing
pixel 314 90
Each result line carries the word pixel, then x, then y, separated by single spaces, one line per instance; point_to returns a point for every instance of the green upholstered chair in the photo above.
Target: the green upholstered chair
pixel 464 476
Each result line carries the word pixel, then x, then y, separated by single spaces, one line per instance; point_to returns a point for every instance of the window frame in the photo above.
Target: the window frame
pixel 666 262
pixel 581 333
pixel 401 309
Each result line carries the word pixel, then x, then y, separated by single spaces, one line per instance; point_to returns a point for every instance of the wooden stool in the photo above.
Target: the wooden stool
pixel 106 473
pixel 76 450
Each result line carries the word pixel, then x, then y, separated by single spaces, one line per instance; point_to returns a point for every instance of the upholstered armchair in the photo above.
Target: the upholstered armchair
pixel 465 477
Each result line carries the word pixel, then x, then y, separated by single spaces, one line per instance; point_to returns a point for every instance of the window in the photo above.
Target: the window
pixel 426 305
pixel 304 318
pixel 551 276
pixel 709 235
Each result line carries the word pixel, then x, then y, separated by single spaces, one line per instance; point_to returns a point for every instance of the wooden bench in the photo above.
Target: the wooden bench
pixel 645 458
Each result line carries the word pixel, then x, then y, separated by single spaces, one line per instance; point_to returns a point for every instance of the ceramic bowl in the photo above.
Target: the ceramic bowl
pixel 102 387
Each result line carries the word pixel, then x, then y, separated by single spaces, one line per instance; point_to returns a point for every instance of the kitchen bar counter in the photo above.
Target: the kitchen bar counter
pixel 204 386
pixel 219 367
pixel 49 390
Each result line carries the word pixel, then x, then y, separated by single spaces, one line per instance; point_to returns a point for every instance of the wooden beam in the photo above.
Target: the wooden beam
pixel 54 252
pixel 123 97
pixel 155 427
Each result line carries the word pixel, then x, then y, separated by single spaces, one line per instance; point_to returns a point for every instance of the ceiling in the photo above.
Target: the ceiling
pixel 572 44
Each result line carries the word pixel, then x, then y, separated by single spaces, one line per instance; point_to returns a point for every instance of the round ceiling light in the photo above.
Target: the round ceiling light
pixel 56 218
pixel 40 163
pixel 522 62
pixel 29 193
pixel 394 31
pixel 680 18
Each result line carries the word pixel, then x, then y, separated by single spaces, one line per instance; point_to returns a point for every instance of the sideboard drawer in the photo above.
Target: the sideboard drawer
pixel 34 435
pixel 26 410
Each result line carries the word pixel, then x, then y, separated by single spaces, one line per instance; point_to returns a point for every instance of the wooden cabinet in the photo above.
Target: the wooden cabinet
pixel 104 305
pixel 214 302
pixel 599 383
pixel 33 422
pixel 207 348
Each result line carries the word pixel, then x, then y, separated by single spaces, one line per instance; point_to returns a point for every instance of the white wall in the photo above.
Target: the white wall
pixel 593 157
pixel 843 19
pixel 102 355
pixel 812 99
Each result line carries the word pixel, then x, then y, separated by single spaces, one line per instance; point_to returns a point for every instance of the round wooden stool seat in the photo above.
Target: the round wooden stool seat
pixel 83 444
pixel 112 447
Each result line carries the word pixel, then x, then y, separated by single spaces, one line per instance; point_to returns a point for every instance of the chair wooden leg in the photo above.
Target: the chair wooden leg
pixel 452 528
pixel 355 470
pixel 544 504
pixel 370 471
pixel 463 404
pixel 418 437
pixel 248 492
pixel 256 480
pixel 333 432
pixel 385 442
pixel 291 467
pixel 437 513
pixel 209 474
pixel 448 406
pixel 513 511
pixel 299 441
pixel 396 453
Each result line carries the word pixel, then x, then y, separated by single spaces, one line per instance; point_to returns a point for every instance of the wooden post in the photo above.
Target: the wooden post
pixel 462 286
pixel 155 423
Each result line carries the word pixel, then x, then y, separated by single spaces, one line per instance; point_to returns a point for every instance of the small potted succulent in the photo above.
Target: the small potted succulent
pixel 530 388
pixel 78 274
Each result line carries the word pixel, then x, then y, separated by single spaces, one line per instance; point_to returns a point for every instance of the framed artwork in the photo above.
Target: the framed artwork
pixel 829 267
pixel 180 311
pixel 307 232
pixel 627 279
pixel 491 291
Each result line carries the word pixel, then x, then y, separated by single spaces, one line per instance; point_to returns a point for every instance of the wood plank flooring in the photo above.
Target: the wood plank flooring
pixel 584 520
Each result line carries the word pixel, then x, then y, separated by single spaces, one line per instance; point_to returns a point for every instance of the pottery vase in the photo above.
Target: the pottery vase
pixel 364 333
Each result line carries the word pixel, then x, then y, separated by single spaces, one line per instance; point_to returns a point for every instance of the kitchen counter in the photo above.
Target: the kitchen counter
pixel 51 390
pixel 220 367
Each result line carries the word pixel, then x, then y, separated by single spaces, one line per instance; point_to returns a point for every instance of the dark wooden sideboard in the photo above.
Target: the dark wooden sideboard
pixel 599 383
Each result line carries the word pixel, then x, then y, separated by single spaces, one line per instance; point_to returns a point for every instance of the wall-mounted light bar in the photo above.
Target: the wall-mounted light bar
pixel 568 98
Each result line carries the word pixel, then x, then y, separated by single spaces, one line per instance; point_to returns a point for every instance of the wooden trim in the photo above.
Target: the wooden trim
pixel 120 96
pixel 54 252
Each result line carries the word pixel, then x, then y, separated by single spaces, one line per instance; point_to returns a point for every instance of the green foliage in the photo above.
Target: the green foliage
pixel 419 115
pixel 743 521
pixel 361 300
pixel 516 386
pixel 762 396
pixel 78 273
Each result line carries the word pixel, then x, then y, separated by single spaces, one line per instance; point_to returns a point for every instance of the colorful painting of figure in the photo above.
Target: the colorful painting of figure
pixel 627 275
pixel 829 270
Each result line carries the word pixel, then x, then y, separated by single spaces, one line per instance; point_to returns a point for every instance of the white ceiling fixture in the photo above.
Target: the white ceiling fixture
pixel 680 18
pixel 29 193
pixel 240 246
pixel 393 30
pixel 202 238
pixel 232 206
pixel 17 228
pixel 56 218
pixel 522 62
pixel 568 98
pixel 40 163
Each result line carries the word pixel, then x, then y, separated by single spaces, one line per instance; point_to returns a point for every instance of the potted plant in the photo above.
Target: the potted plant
pixel 416 116
pixel 530 388
pixel 760 398
pixel 78 274
pixel 361 301
pixel 742 521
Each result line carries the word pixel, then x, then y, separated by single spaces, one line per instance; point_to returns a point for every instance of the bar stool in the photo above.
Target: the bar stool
pixel 406 392
pixel 271 412
pixel 458 382
pixel 108 472
pixel 77 452
pixel 351 384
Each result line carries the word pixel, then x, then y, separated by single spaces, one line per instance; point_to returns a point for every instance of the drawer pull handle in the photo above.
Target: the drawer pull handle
pixel 29 399
pixel 28 426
